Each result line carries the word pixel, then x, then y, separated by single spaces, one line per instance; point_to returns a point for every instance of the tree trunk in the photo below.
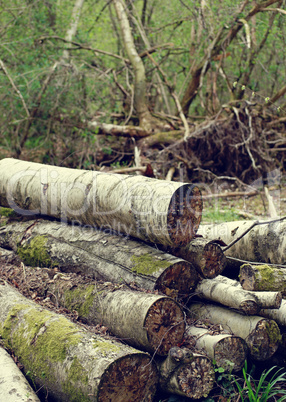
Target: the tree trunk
pixel 206 256
pixel 72 363
pixel 13 385
pixel 99 255
pixel 73 25
pixel 151 322
pixel 147 122
pixel 230 293
pixel 150 209
pixel 263 277
pixel 263 243
pixel 186 373
pixel 228 351
pixel 278 315
pixel 262 336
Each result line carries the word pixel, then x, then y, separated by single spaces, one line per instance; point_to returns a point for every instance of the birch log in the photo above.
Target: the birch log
pixel 101 255
pixel 186 373
pixel 263 243
pixel 263 277
pixel 228 351
pixel 13 385
pixel 206 256
pixel 72 363
pixel 278 315
pixel 149 209
pixel 261 335
pixel 151 322
pixel 230 293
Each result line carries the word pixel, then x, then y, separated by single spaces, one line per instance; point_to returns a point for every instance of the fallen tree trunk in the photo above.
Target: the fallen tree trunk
pixel 72 363
pixel 263 243
pixel 100 255
pixel 228 351
pixel 278 315
pixel 151 322
pixel 13 385
pixel 206 256
pixel 261 335
pixel 152 210
pixel 263 277
pixel 186 373
pixel 230 293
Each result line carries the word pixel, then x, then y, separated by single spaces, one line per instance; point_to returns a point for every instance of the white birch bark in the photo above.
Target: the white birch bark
pixel 263 243
pixel 150 209
pixel 13 385
pixel 73 25
pixel 261 335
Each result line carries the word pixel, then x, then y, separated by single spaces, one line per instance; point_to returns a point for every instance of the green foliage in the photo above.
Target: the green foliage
pixel 271 384
pixel 219 213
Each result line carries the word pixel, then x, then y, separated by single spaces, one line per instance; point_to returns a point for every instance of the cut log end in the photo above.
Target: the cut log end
pixel 184 214
pixel 264 340
pixel 178 280
pixel 230 353
pixel 196 379
pixel 165 325
pixel 132 378
pixel 215 260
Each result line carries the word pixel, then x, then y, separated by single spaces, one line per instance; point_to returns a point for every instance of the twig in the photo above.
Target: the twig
pixel 251 227
pixel 14 87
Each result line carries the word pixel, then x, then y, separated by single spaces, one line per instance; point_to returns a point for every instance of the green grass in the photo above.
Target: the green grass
pixel 218 213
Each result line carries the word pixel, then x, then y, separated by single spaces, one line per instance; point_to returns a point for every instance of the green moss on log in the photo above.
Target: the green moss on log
pixel 273 332
pixel 80 299
pixel 34 254
pixel 8 212
pixel 106 347
pixel 146 264
pixel 40 339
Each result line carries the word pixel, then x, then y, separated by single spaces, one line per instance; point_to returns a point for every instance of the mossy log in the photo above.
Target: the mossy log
pixel 152 210
pixel 261 335
pixel 186 373
pixel 206 256
pixel 263 277
pixel 151 322
pixel 72 363
pixel 228 351
pixel 13 385
pixel 263 243
pixel 100 255
pixel 230 293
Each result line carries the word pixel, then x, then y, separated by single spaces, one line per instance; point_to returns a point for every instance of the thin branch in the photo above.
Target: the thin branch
pixel 2 65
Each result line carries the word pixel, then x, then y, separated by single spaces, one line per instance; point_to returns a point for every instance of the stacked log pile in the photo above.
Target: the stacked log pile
pixel 120 297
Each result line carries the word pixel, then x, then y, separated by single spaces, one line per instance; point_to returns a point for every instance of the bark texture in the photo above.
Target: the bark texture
pixel 262 336
pixel 13 385
pixel 186 373
pixel 278 315
pixel 263 277
pixel 230 293
pixel 263 243
pixel 228 351
pixel 150 209
pixel 100 255
pixel 72 363
pixel 151 322
pixel 206 256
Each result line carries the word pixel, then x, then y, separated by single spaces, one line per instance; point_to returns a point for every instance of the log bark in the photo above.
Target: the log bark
pixel 186 373
pixel 261 335
pixel 228 351
pixel 278 315
pixel 13 385
pixel 100 255
pixel 72 363
pixel 263 277
pixel 206 256
pixel 230 293
pixel 263 243
pixel 151 322
pixel 152 210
